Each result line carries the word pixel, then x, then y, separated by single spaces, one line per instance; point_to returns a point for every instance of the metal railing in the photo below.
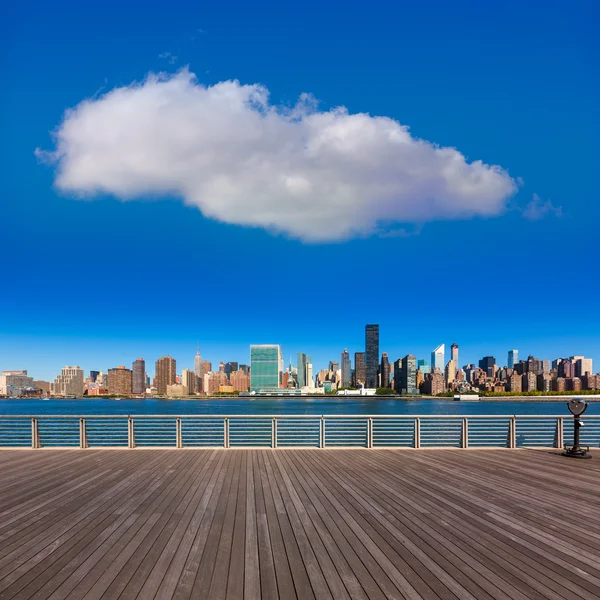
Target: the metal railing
pixel 285 431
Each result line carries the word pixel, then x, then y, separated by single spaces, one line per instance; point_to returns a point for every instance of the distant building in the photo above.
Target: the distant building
pixel 529 382
pixel 582 365
pixel 94 376
pixel 514 384
pixel 16 383
pixel 304 370
pixel 266 367
pixel 437 359
pixel 513 358
pixel 176 389
pixel 559 384
pixel 188 381
pixel 405 375
pixel 433 384
pixel 334 365
pixel 371 354
pixel 166 374
pixel 139 376
pixel 534 365
pixel 544 382
pixel 423 366
pixel 384 371
pixel 240 381
pixel 245 369
pixel 565 368
pixel 43 386
pixel 573 384
pixel 488 365
pixel 68 383
pixel 454 354
pixel 230 367
pixel 198 364
pixel 360 370
pixel 346 369
pixel 450 372
pixel 120 381
pixel 212 382
pixel 545 366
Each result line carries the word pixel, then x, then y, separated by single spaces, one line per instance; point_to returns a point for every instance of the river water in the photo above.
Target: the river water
pixel 282 406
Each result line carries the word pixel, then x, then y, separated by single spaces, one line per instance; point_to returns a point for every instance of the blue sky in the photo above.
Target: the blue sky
pixel 100 281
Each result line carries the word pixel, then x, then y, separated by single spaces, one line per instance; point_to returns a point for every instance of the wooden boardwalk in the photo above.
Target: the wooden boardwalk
pixel 158 524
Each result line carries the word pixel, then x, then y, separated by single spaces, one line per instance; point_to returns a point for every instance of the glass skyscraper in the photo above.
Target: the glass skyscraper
pixel 346 369
pixel 266 366
pixel 437 359
pixel 304 370
pixel 423 366
pixel 371 355
pixel 513 358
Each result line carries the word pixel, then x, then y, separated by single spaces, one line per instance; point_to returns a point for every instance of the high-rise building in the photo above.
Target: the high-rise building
pixel 334 365
pixel 450 372
pixel 384 371
pixel 198 363
pixel 433 384
pixel 304 370
pixel 488 365
pixel 513 383
pixel 139 376
pixel 534 365
pixel 454 354
pixel 240 381
pixel 245 369
pixel 230 367
pixel 360 369
pixel 346 369
pixel 405 375
pixel 16 383
pixel 423 366
pixel 513 358
pixel 371 354
pixel 566 368
pixel 188 381
pixel 266 367
pixel 68 383
pixel 437 359
pixel 581 365
pixel 529 381
pixel 94 376
pixel 166 374
pixel 120 381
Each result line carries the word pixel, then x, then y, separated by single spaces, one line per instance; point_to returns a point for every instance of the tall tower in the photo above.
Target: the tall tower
pixel 166 373
pixel 371 354
pixel 513 358
pixel 198 363
pixel 346 369
pixel 385 371
pixel 437 359
pixel 454 354
pixel 139 376
pixel 360 370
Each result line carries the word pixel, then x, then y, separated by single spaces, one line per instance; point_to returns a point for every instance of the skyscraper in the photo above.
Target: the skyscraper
pixel 139 376
pixel 346 369
pixel 198 363
pixel 437 359
pixel 513 358
pixel 384 371
pixel 188 381
pixel 423 366
pixel 360 369
pixel 304 370
pixel 266 367
pixel 166 373
pixel 120 381
pixel 405 375
pixel 334 365
pixel 488 364
pixel 371 354
pixel 68 383
pixel 454 354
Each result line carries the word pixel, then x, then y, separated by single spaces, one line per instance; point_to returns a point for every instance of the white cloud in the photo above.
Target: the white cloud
pixel 313 175
pixel 170 58
pixel 537 209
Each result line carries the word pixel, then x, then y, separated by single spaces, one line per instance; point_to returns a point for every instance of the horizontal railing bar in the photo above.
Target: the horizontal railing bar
pixel 315 417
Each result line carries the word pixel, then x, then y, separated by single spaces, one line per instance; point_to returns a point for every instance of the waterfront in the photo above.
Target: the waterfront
pixel 329 405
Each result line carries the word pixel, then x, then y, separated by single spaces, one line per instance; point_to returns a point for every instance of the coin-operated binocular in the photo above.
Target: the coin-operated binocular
pixel 577 406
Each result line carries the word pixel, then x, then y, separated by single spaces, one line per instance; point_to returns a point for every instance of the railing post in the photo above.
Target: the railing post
pixel 560 433
pixel 370 432
pixel 322 433
pixel 82 433
pixel 35 436
pixel 417 432
pixel 130 433
pixel 274 433
pixel 512 433
pixel 465 433
pixel 178 435
pixel 226 432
